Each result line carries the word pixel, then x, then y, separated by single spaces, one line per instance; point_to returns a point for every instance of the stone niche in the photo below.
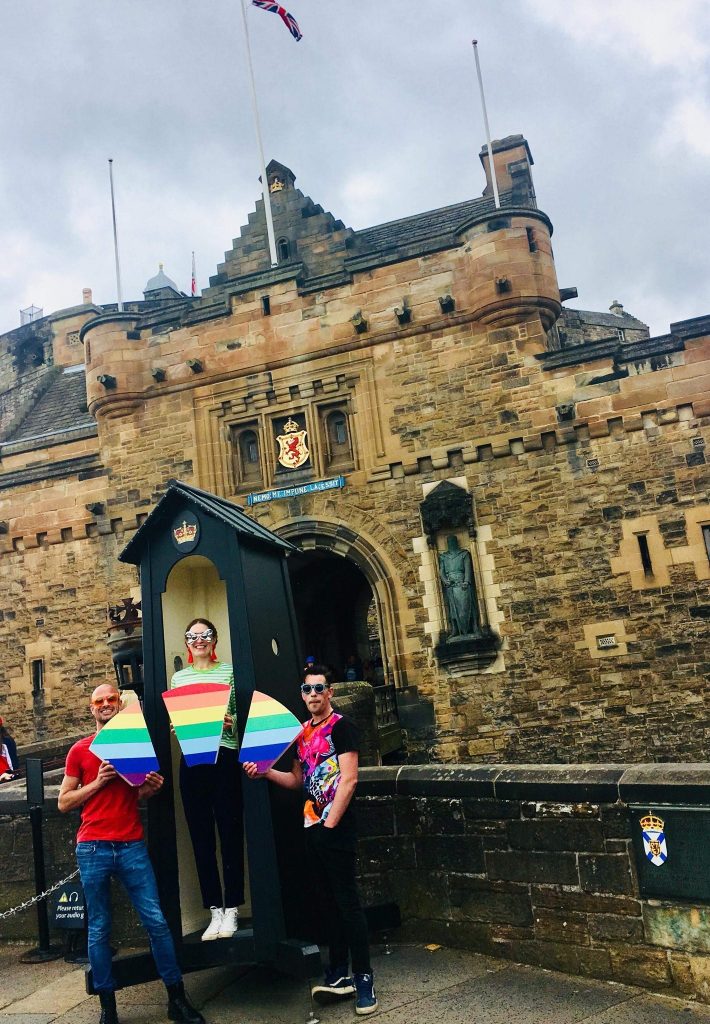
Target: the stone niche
pixel 467 642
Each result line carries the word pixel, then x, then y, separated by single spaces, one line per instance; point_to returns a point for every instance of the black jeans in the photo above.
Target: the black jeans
pixel 212 796
pixel 338 901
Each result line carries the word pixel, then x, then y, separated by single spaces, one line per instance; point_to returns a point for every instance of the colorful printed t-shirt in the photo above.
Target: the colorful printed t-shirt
pixel 110 814
pixel 220 672
pixel 318 749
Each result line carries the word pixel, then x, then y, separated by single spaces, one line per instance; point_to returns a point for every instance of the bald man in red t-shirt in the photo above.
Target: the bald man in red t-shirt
pixel 110 843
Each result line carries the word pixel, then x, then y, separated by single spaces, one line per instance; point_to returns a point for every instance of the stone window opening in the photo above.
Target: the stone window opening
pixel 37 675
pixel 247 456
pixel 339 447
pixel 645 553
pixel 706 538
pixel 283 249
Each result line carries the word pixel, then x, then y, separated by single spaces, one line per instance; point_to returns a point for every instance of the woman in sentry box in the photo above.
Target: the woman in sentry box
pixel 212 793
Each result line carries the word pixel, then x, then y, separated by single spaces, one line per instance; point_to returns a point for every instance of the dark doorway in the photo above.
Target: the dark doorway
pixel 337 614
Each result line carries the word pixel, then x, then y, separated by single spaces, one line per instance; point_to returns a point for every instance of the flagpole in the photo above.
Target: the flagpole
pixel 485 122
pixel 193 283
pixel 115 238
pixel 260 145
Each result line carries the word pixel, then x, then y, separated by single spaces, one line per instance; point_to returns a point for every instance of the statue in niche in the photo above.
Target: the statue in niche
pixel 456 575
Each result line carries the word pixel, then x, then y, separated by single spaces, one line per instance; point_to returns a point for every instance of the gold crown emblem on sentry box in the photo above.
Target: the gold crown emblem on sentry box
pixel 290 426
pixel 652 822
pixel 185 533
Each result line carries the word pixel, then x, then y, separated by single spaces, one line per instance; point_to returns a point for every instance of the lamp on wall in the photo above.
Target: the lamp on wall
pixel 124 637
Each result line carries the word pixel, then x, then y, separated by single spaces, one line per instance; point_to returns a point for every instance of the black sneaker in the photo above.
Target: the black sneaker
pixel 366 1001
pixel 336 984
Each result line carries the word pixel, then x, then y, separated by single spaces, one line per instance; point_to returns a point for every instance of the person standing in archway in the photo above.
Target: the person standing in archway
pixel 212 793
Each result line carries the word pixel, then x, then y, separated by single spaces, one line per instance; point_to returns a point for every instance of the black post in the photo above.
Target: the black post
pixel 40 878
pixel 35 799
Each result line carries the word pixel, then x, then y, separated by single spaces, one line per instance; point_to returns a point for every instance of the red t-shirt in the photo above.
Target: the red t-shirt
pixel 112 812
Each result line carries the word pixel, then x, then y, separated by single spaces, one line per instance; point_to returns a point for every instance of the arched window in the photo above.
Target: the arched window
pixel 247 457
pixel 283 249
pixel 338 437
pixel 249 444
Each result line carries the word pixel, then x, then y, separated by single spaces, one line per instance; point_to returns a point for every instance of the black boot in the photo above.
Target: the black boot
pixel 180 1008
pixel 108 1008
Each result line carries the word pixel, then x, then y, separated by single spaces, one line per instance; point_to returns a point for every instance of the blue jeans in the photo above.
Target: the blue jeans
pixel 98 860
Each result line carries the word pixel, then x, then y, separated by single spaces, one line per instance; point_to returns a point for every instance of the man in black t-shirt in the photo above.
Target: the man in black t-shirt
pixel 326 769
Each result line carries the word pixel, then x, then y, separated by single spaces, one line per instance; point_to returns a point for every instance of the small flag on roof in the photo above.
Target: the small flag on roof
pixel 288 19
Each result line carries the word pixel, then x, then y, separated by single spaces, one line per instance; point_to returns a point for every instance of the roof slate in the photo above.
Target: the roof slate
pixel 407 230
pixel 589 316
pixel 179 492
pixel 62 407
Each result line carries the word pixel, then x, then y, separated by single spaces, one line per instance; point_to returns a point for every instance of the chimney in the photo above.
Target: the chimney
pixel 616 308
pixel 86 296
pixel 513 160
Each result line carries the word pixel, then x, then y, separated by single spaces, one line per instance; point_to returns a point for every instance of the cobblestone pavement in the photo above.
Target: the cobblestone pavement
pixel 415 984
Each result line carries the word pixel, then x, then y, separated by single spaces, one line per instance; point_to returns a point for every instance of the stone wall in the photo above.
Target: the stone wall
pixel 59 838
pixel 534 865
pixel 569 457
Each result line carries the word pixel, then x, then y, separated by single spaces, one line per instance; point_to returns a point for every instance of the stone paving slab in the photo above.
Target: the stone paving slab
pixel 646 1009
pixel 415 985
pixel 19 980
pixel 26 1018
pixel 56 997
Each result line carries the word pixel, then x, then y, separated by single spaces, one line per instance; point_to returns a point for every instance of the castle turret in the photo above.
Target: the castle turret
pixel 512 270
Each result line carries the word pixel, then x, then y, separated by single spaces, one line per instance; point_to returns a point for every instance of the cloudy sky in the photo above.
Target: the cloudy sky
pixel 376 111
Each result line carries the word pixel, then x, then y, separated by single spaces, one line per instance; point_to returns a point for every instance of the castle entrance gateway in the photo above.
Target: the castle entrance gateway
pixel 344 600
pixel 337 614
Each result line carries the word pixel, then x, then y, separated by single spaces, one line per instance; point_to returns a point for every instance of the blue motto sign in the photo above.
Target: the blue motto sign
pixel 293 492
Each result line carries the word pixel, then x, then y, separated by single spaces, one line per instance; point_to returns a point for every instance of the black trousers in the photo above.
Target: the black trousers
pixel 212 797
pixel 336 900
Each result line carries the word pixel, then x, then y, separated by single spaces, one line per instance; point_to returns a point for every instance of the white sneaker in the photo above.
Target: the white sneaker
pixel 230 922
pixel 213 928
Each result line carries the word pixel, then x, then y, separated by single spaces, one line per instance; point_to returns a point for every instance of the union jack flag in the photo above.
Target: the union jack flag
pixel 288 19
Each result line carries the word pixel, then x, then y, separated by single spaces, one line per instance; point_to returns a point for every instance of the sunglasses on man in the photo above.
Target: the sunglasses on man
pixel 307 688
pixel 192 638
pixel 100 701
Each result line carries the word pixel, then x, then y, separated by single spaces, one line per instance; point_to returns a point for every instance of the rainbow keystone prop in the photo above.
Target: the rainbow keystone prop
pixel 270 730
pixel 197 713
pixel 126 744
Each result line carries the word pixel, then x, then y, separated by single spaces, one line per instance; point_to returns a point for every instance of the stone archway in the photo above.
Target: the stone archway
pixel 344 600
pixel 335 612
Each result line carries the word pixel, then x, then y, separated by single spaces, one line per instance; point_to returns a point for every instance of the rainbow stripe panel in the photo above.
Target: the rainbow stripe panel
pixel 270 730
pixel 197 712
pixel 125 743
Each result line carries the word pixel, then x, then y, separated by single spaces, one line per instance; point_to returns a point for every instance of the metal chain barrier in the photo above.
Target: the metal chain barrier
pixel 41 896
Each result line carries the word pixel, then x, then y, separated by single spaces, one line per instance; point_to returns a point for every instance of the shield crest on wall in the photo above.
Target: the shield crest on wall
pixel 654 839
pixel 293 447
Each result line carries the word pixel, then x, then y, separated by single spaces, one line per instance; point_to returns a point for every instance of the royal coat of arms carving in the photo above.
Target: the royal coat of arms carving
pixel 293 449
